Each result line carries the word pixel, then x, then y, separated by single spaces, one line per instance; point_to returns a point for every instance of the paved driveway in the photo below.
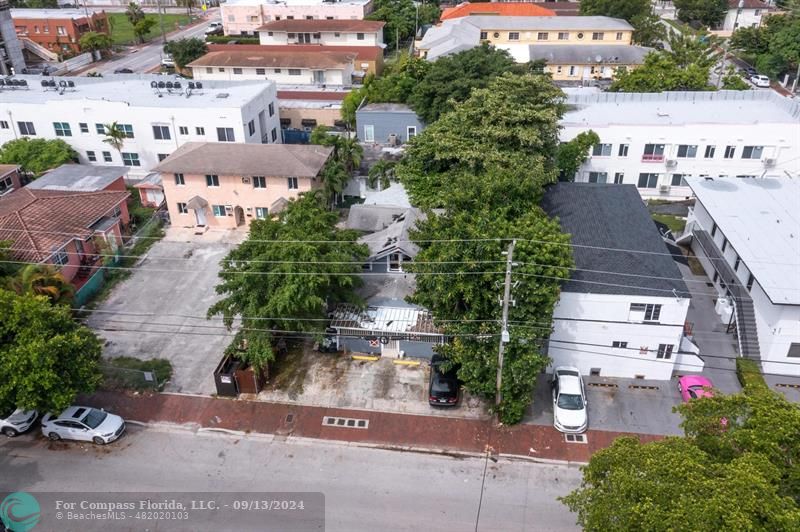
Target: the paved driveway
pixel 149 315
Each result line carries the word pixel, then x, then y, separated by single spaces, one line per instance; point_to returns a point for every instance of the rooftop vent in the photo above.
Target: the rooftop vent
pixel 223 95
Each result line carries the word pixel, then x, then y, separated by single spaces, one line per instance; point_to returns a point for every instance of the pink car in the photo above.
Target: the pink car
pixel 694 387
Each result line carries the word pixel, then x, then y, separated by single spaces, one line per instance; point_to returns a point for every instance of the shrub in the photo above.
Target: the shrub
pixel 749 373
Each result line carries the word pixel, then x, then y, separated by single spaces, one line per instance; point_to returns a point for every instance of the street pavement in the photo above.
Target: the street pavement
pixel 144 58
pixel 365 489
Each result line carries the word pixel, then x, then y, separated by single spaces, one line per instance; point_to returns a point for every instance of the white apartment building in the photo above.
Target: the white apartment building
pixel 746 234
pixel 157 115
pixel 324 32
pixel 244 17
pixel 621 313
pixel 657 141
pixel 281 67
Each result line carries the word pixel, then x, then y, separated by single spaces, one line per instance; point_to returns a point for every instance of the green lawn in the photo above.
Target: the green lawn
pixel 674 223
pixel 122 30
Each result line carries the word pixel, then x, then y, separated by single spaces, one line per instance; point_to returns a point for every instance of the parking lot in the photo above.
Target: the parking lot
pixel 159 312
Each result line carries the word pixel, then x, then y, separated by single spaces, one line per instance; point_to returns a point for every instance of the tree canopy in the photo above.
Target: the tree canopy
pixel 625 9
pixel 736 469
pixel 774 46
pixel 401 17
pixel 95 41
pixel 36 156
pixel 184 51
pixel 46 357
pixel 572 154
pixel 277 277
pixel 709 13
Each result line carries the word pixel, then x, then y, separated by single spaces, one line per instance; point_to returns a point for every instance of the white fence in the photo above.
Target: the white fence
pixel 72 64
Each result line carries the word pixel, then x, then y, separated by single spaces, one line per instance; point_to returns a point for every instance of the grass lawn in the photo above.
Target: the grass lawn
pixel 674 223
pixel 122 30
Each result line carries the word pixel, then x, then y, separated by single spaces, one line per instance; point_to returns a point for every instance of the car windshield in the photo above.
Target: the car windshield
pixel 570 402
pixel 94 418
pixel 441 385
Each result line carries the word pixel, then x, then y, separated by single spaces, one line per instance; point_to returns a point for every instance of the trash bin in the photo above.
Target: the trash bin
pixel 224 377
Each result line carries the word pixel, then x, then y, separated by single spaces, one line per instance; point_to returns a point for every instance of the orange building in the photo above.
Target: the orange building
pixel 506 9
pixel 58 30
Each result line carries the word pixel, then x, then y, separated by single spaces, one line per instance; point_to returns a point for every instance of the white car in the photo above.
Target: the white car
pixel 214 28
pixel 14 422
pixel 83 423
pixel 569 400
pixel 167 61
pixel 759 81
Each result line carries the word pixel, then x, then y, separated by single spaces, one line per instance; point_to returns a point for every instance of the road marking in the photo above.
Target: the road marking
pixel 369 358
pixel 402 362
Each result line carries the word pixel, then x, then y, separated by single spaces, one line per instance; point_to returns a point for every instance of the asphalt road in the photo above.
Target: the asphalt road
pixel 145 58
pixel 365 489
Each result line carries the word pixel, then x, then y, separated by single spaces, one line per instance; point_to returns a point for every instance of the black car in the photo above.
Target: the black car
pixel 445 386
pixel 123 71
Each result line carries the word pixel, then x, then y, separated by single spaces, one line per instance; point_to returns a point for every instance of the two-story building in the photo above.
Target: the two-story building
pixel 58 30
pixel 227 186
pixel 157 114
pixel 746 234
pixel 504 9
pixel 657 140
pixel 622 311
pixel 323 32
pixel 244 17
pixel 10 178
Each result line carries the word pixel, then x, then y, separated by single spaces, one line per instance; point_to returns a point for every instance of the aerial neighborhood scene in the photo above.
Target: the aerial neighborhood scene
pixel 358 265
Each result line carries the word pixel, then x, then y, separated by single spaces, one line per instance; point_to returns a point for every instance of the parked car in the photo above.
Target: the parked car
pixel 167 61
pixel 694 387
pixel 759 80
pixel 444 389
pixel 16 421
pixel 569 400
pixel 123 71
pixel 215 28
pixel 83 423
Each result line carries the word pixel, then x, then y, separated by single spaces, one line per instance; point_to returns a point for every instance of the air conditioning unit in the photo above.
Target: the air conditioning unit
pixel 664 189
pixel 672 163
pixel 769 162
pixel 245 180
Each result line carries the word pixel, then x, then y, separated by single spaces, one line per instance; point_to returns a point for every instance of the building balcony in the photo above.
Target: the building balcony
pixel 652 158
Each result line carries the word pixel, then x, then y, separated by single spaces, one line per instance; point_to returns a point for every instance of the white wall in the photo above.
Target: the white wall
pixel 237 18
pixel 601 319
pixel 747 18
pixel 327 38
pixel 341 76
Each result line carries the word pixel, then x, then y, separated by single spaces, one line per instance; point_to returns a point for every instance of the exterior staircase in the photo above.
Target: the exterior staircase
pixel 38 50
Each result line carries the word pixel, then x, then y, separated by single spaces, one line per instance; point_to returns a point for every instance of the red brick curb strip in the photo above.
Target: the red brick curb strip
pixel 382 429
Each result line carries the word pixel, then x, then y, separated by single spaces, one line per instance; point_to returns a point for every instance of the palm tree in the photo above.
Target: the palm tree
pixel 334 178
pixel 115 137
pixel 348 152
pixel 134 13
pixel 43 280
pixel 382 172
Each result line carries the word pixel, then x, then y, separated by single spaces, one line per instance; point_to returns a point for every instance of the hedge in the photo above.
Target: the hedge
pixel 749 373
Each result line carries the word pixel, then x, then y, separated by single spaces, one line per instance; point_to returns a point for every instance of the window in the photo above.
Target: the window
pixel 60 257
pixel 182 209
pixel 225 134
pixel 130 159
pixel 648 181
pixel 91 156
pixel 107 156
pixel 179 180
pixel 644 312
pixel 127 129
pixel 619 178
pixel 274 134
pixel 794 350
pixel 597 36
pixel 271 109
pixel 542 36
pixel 572 70
pixel 687 151
pixel 563 35
pixel 237 71
pixel 558 69
pixel 598 177
pixel 62 129
pixel 623 150
pixel 212 180
pixel 619 345
pixel 679 180
pixel 100 128
pixel 619 35
pixel 261 213
pixel 484 36
pixel 294 72
pixel 737 263
pixel 84 127
pixel 259 181
pixel 200 130
pixel 251 127
pixel 602 150
pixel 724 244
pixel 750 281
pixel 219 210
pixel 26 128
pixel 665 351
pixel 513 36
pixel 277 70
pixel 221 69
pixel 292 183
pixel 3 124
pixel 653 152
pixel 209 70
pixel 261 72
pixel 730 151
pixel 359 36
pixel 710 152
pixel 752 152
pixel 183 130
pixel 161 133
pixel 6 184
pixel 713 230
pixel 61 30
pixel 369 133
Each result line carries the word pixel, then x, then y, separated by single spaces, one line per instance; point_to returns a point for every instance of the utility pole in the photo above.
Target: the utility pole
pixel 504 336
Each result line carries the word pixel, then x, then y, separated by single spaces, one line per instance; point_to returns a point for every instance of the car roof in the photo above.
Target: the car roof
pixel 74 412
pixel 695 380
pixel 569 384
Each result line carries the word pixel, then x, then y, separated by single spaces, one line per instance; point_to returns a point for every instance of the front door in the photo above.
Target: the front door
pixel 239 214
pixel 200 217
pixel 369 133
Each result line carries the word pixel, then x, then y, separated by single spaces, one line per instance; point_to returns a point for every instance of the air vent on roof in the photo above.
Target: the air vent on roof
pixel 223 95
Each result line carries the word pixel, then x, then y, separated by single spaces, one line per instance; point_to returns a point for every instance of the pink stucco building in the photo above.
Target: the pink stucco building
pixel 244 17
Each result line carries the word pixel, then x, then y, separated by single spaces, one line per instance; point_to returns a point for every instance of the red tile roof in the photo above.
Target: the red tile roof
pixel 320 25
pixel 39 222
pixel 363 53
pixel 507 9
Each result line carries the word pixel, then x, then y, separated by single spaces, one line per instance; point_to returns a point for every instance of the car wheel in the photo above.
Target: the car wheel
pixel 98 440
pixel 54 436
pixel 9 432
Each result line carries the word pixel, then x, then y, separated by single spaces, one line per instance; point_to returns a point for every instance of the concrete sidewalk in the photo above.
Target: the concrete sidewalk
pixel 383 429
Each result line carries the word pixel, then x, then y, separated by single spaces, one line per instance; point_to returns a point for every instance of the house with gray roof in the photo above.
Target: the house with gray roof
pixel 82 178
pixel 623 310
pixel 390 124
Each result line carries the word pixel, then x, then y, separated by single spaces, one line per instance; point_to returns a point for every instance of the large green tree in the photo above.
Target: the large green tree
pixel 36 156
pixel 648 29
pixel 625 9
pixel 276 278
pixel 709 13
pixel 43 280
pixel 46 357
pixel 664 71
pixel 572 154
pixel 184 51
pixel 143 27
pixel 93 41
pixel 401 17
pixel 774 46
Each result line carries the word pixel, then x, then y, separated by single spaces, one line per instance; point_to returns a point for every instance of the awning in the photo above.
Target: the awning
pixel 196 203
pixel 278 205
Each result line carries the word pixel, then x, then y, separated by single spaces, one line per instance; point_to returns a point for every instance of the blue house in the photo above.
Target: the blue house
pixel 390 124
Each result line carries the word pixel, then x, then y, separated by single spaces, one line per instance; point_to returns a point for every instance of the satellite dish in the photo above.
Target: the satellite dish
pixel 598 58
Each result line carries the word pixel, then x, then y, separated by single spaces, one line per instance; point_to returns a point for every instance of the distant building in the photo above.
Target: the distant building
pixel 82 178
pixel 58 30
pixel 746 234
pixel 505 9
pixel 244 17
pixel 151 192
pixel 10 179
pixel 387 123
pixel 231 185
pixel 750 15
pixel 303 110
pixel 323 32
pixel 11 59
